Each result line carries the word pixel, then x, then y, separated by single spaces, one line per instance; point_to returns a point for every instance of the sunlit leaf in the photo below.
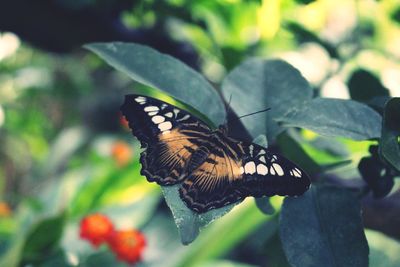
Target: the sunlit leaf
pixel 323 228
pixel 147 66
pixel 335 117
pixel 384 251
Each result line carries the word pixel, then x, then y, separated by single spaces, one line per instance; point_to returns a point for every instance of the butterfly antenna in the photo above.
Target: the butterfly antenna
pixel 254 113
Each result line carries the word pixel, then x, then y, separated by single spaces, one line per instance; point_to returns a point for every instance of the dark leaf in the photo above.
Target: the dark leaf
pixel 365 86
pixel 376 176
pixel 335 117
pixel 147 66
pixel 303 36
pixel 42 240
pixel 258 84
pixel 389 143
pixel 323 228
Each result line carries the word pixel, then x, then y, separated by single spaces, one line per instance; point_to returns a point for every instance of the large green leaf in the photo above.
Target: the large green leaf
pixel 323 228
pixel 258 84
pixel 189 222
pixel 335 117
pixel 43 239
pixel 389 145
pixel 147 66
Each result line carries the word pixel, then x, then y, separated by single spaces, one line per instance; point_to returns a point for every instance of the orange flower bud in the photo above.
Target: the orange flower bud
pixel 128 245
pixel 96 228
pixel 123 121
pixel 4 209
pixel 122 153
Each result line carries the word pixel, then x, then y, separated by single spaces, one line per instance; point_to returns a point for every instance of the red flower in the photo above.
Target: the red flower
pixel 96 228
pixel 128 245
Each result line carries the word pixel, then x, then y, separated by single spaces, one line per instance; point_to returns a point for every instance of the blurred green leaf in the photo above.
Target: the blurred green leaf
pixel 364 86
pixel 42 240
pixel 384 251
pixel 323 228
pixel 335 117
pixel 389 144
pixel 147 66
pixel 229 230
pixel 222 264
pixel 258 84
pixel 188 222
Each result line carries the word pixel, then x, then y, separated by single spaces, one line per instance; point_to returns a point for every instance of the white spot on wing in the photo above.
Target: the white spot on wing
pixel 152 113
pixel 164 126
pixel 272 170
pixel 261 152
pixel 262 159
pixel 251 147
pixel 241 169
pixel 187 116
pixel 176 111
pixel 262 169
pixel 158 119
pixel 278 169
pixel 166 132
pixel 250 167
pixel 274 158
pixel 169 114
pixel 296 172
pixel 140 99
pixel 151 108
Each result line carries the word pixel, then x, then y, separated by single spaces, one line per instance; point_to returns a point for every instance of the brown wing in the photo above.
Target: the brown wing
pixel 166 132
pixel 213 184
pixel 164 161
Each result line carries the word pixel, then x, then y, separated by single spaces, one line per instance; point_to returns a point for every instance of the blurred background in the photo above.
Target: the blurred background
pixel 65 151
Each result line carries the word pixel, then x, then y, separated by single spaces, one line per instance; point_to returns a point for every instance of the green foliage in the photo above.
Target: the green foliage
pixel 389 145
pixel 323 228
pixel 259 84
pixel 57 166
pixel 163 72
pixel 335 117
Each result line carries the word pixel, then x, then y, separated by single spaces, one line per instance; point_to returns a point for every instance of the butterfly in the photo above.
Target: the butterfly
pixel 212 169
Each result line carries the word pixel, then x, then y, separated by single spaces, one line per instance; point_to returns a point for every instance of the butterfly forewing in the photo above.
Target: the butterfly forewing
pixel 214 170
pixel 166 133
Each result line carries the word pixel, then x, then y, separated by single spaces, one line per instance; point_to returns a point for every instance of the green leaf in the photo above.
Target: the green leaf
pixel 42 240
pixel 389 146
pixel 258 84
pixel 384 251
pixel 189 222
pixel 147 66
pixel 323 228
pixel 335 117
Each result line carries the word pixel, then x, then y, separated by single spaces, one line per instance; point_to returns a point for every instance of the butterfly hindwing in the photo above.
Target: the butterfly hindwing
pixel 268 174
pixel 256 172
pixel 214 183
pixel 166 132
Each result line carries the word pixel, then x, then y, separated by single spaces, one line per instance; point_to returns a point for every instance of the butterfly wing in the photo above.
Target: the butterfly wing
pixel 229 178
pixel 167 133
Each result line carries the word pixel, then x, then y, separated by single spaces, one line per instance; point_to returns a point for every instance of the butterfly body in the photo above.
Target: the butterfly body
pixel 213 169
